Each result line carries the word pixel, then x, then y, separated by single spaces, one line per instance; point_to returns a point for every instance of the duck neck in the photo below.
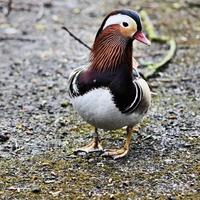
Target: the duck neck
pixel 110 52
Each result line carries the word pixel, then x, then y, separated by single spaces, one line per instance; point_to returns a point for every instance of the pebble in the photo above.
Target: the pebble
pixel 10 31
pixel 4 137
pixel 36 189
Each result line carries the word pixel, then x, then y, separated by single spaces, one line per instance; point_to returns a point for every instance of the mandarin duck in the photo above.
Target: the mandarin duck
pixel 109 93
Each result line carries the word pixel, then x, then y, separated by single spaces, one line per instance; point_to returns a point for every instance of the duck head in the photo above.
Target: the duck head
pixel 113 41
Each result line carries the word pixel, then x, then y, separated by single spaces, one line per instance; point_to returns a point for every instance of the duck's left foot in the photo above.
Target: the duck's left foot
pixel 116 153
pixel 90 148
pixel 93 146
pixel 122 152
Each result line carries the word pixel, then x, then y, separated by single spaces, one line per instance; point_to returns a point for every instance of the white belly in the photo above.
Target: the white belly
pixel 97 108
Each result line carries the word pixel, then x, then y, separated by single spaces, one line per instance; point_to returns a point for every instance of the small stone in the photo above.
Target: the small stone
pixel 48 4
pixel 126 183
pixel 12 188
pixel 55 194
pixel 34 177
pixel 4 137
pixel 49 181
pixel 64 104
pixel 171 198
pixel 76 10
pixel 100 164
pixel 91 160
pixel 45 163
pixel 173 117
pixel 92 14
pixel 176 5
pixel 112 196
pixel 53 173
pixel 10 31
pixel 36 189
pixel 124 2
pixel 55 18
pixel 168 161
pixel 40 27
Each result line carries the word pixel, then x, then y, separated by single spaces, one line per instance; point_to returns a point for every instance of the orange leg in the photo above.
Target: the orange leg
pixel 93 146
pixel 119 153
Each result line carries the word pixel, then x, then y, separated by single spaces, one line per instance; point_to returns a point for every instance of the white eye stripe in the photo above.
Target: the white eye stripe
pixel 119 19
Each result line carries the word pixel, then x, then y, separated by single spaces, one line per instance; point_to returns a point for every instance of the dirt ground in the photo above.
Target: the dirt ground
pixel 39 129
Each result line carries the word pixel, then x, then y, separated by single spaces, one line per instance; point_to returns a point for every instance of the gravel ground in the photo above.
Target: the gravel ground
pixel 39 129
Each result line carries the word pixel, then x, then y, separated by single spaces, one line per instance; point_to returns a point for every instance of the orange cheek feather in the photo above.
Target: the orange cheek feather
pixel 127 32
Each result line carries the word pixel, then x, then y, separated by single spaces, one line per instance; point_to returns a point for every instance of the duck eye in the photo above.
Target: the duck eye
pixel 125 24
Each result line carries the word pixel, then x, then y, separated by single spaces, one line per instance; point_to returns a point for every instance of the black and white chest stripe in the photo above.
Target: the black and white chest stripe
pixel 126 104
pixel 73 87
pixel 137 99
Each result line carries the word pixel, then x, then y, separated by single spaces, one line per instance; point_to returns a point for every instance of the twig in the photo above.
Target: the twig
pixel 156 53
pixel 9 7
pixel 177 79
pixel 154 67
pixel 151 69
pixel 148 25
pixel 40 13
pixel 17 38
pixel 20 7
pixel 77 39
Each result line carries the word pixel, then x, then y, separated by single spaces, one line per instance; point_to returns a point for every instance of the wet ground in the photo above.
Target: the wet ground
pixel 39 129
